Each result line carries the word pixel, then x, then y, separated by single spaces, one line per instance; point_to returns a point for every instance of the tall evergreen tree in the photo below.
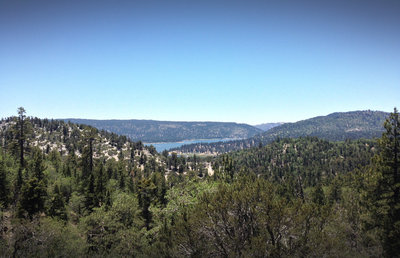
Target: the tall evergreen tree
pixel 146 194
pixel 4 188
pixel 57 205
pixel 72 162
pixel 383 188
pixel 20 131
pixel 388 164
pixel 90 197
pixel 101 182
pixel 87 155
pixel 38 166
pixel 33 192
pixel 21 134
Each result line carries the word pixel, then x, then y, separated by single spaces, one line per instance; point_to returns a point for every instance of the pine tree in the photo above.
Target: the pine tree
pixel 131 185
pixel 162 191
pixel 382 198
pixel 19 182
pixel 57 205
pixel 33 196
pixel 18 146
pixel 87 155
pixel 90 197
pixel 33 191
pixel 388 165
pixel 100 184
pixel 38 165
pixel 146 193
pixel 4 188
pixel 107 201
pixel 21 135
pixel 335 191
pixel 71 163
pixel 318 196
pixel 121 174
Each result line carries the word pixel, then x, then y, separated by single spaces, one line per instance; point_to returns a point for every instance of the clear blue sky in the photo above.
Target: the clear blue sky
pixel 240 61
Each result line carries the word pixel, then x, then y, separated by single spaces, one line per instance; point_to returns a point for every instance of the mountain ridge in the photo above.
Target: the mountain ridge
pixel 267 126
pixel 337 126
pixel 170 131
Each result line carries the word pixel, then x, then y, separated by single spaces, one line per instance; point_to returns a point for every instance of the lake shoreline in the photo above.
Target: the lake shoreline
pixel 187 140
pixel 161 146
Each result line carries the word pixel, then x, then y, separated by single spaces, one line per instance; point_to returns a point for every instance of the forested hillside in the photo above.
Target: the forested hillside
pixel 166 131
pixel 304 197
pixel 311 160
pixel 333 127
pixel 68 138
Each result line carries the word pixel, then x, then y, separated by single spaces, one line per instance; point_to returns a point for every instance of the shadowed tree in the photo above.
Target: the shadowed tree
pixel 21 134
pixel 57 205
pixel 33 191
pixel 146 194
pixel 4 188
pixel 388 165
pixel 87 155
pixel 18 145
pixel 383 188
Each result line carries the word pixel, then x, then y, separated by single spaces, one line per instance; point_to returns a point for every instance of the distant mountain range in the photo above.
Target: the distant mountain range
pixel 334 127
pixel 265 127
pixel 167 131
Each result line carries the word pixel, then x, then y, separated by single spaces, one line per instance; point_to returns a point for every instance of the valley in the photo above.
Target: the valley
pixel 171 131
pixel 215 129
pixel 74 190
pixel 333 127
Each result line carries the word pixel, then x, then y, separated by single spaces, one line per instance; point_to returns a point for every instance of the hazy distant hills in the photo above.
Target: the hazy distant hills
pixel 267 126
pixel 333 127
pixel 167 131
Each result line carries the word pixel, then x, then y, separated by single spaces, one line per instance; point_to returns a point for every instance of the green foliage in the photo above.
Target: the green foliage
pixel 77 206
pixel 90 195
pixel 4 185
pixel 55 158
pixel 251 218
pixel 186 194
pixel 311 159
pixel 303 197
pixel 100 185
pixel 45 238
pixel 382 191
pixel 57 205
pixel 33 192
pixel 19 133
pixel 32 199
pixel 37 165
pixel 117 231
pixel 146 194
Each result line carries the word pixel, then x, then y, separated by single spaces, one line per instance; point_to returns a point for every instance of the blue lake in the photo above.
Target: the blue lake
pixel 161 146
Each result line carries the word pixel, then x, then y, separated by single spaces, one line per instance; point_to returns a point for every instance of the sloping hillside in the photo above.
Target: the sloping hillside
pixel 166 131
pixel 64 137
pixel 333 127
pixel 268 126
pixel 313 159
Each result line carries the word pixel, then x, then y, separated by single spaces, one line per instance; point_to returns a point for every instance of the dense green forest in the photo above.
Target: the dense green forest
pixel 333 127
pixel 71 190
pixel 167 131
